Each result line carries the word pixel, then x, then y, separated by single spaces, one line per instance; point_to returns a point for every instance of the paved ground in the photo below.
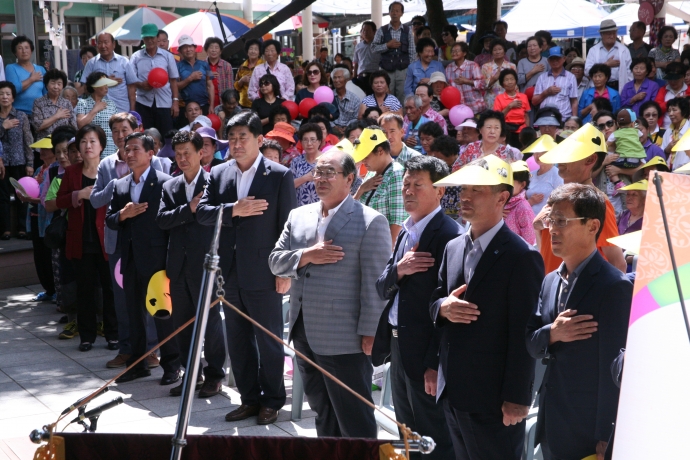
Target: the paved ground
pixel 41 375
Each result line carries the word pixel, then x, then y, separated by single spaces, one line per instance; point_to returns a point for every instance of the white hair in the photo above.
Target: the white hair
pixel 346 73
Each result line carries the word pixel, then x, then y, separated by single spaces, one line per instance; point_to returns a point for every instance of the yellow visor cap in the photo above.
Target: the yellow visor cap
pixel 158 301
pixel 367 142
pixel 345 146
pixel 489 170
pixel 656 161
pixel 45 143
pixel 543 144
pixel 519 165
pixel 582 144
pixel 641 185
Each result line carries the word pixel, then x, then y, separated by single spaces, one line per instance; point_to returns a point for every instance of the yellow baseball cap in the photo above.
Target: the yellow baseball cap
pixel 641 185
pixel 367 142
pixel 345 146
pixel 45 143
pixel 543 144
pixel 518 166
pixel 582 144
pixel 488 170
pixel 656 161
pixel 683 143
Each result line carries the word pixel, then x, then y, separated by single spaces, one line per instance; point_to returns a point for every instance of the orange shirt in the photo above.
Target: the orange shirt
pixel 515 116
pixel 551 262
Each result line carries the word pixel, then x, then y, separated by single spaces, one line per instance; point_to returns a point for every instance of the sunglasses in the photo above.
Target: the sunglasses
pixel 313 72
pixel 264 83
pixel 608 124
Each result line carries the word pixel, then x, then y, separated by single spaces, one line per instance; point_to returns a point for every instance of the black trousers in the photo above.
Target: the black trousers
pixel 338 413
pixel 43 259
pixel 483 436
pixel 257 360
pixel 135 285
pixel 363 82
pixel 184 292
pixel 417 409
pixel 154 117
pixel 6 190
pixel 92 274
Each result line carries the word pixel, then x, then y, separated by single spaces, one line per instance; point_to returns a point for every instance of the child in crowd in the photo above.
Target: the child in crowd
pixel 625 142
pixel 284 135
pixel 272 150
pixel 518 213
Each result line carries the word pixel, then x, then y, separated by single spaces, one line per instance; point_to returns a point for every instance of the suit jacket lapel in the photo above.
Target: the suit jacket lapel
pixel 260 178
pixel 489 257
pixel 151 180
pixel 127 188
pixel 550 311
pixel 584 283
pixel 340 218
pixel 430 231
pixel 201 183
pixel 180 191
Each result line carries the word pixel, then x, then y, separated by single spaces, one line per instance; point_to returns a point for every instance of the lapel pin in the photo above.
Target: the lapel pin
pixel 264 173
pixel 496 251
pixel 151 184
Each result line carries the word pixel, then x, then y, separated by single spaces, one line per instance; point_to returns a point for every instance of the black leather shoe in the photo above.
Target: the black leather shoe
pixel 133 374
pixel 85 346
pixel 113 345
pixel 242 412
pixel 177 391
pixel 171 377
pixel 210 389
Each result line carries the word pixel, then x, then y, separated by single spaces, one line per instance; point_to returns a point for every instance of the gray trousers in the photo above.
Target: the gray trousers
pixel 397 86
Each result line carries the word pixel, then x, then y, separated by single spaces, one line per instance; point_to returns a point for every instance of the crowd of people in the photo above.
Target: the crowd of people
pixel 449 250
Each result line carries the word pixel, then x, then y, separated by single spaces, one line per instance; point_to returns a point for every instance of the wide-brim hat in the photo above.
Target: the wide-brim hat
pixel 211 134
pixel 367 142
pixel 543 144
pixel 282 130
pixel 547 120
pixel 578 61
pixel 657 161
pixel 488 170
pixel 582 144
pixel 149 30
pixel 608 25
pixel 469 123
pixel 45 143
pixel 345 146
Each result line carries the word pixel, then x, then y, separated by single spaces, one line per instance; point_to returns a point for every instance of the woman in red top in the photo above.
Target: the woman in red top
pixel 514 105
pixel 84 245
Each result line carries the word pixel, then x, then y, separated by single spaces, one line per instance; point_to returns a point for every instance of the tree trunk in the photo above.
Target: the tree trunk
pixel 487 12
pixel 436 17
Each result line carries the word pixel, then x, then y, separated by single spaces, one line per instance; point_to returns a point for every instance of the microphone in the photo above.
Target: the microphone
pixel 99 410
pixel 74 406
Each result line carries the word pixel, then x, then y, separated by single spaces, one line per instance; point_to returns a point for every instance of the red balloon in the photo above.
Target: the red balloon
pixel 292 107
pixel 305 106
pixel 450 97
pixel 215 121
pixel 529 92
pixel 158 77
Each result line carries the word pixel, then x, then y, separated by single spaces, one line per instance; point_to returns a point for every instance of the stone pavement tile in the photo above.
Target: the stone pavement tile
pixel 21 448
pixel 29 357
pixel 70 348
pixel 213 420
pixel 56 369
pixel 17 291
pixel 57 402
pixel 129 411
pixel 148 388
pixel 86 382
pixel 25 406
pixel 19 345
pixel 168 405
pixel 254 430
pixel 35 288
pixel 16 427
pixel 11 390
pixel 305 427
pixel 17 309
pixel 97 363
pixel 11 331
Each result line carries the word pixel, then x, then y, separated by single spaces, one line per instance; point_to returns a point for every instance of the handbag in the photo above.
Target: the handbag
pixel 55 234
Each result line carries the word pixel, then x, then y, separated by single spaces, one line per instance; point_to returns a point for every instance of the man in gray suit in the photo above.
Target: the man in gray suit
pixel 334 251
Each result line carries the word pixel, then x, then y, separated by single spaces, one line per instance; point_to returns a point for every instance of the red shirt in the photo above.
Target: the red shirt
pixel 216 96
pixel 515 116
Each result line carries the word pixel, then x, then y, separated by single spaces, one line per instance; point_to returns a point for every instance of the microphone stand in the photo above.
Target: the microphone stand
pixel 192 368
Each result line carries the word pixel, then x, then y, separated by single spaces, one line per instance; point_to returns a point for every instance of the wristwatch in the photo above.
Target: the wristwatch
pixel 176 99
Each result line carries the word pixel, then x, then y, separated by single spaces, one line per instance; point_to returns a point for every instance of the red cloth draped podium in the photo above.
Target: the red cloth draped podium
pixel 102 446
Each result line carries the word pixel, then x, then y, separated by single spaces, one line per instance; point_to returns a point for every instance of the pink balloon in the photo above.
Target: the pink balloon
pixel 532 163
pixel 118 274
pixel 323 94
pixel 30 185
pixel 460 113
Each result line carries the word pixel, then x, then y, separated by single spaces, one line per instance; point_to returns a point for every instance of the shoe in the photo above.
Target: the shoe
pixel 171 377
pixel 119 361
pixel 113 345
pixel 152 360
pixel 22 236
pixel 42 297
pixel 241 413
pixel 5 236
pixel 132 374
pixel 70 331
pixel 63 319
pixel 85 346
pixel 99 329
pixel 267 416
pixel 209 389
pixel 177 391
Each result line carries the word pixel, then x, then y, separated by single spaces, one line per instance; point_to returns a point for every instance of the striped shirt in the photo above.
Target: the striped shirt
pixel 472 95
pixel 390 101
pixel 348 107
pixel 387 197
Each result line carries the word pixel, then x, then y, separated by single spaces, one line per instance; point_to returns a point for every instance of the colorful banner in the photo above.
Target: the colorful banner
pixel 654 404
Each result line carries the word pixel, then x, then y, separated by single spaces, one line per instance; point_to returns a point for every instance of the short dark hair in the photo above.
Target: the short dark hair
pixel 251 42
pixel 500 22
pixel 676 67
pixel 430 92
pixel 379 74
pixel 431 128
pixel 122 117
pixel 155 134
pixel 62 134
pixel 576 119
pixel 18 40
pixel 643 108
pixel 451 29
pixel 539 40
pixel 391 116
pixel 446 146
pixel 639 25
pixel 355 125
pixel 603 68
pixel 270 78
pixel 87 49
pixel 161 32
pixel 182 137
pixel 323 48
pixel 323 81
pixel 602 104
pixel 603 113
pixel 402 7
pixel 504 73
pixel 571 49
pixel 272 144
pixel 279 110
pixel 545 35
pixel 211 40
pixel 665 29
pixel 522 176
pixel 249 119
pixel 229 94
pixel 371 24
pixel 319 110
pixel 274 43
pixel 587 201
pixel 321 119
pixel 92 128
pixel 310 128
pixel 641 60
pixel 92 79
pixel 419 18
pixel 55 74
pixel 492 115
pixel 424 43
pixel 368 111
pixel 682 104
pixel 463 46
pixel 421 30
pixel 436 168
pixel 498 42
pixel 146 140
pixel 10 85
pixel 527 136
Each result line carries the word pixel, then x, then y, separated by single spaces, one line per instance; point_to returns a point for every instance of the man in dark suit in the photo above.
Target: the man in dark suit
pixel 579 327
pixel 188 244
pixel 489 282
pixel 144 246
pixel 257 196
pixel 405 332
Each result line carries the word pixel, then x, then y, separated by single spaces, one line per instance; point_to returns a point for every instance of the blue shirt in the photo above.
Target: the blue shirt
pixel 415 73
pixel 142 63
pixel 117 66
pixel 588 97
pixel 195 91
pixel 25 99
pixel 652 150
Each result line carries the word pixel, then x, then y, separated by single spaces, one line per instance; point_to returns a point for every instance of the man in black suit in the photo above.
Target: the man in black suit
pixel 579 327
pixel 188 244
pixel 489 282
pixel 406 333
pixel 257 196
pixel 144 246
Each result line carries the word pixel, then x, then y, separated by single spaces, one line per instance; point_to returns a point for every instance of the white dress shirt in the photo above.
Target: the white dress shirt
pixel 243 180
pixel 135 189
pixel 189 187
pixel 323 222
pixel 599 55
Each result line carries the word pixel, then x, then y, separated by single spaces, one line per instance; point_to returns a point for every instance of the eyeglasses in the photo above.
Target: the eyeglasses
pixel 264 83
pixel 313 72
pixel 327 173
pixel 560 222
pixel 608 124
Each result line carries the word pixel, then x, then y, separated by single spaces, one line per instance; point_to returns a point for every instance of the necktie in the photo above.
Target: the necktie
pixel 471 258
